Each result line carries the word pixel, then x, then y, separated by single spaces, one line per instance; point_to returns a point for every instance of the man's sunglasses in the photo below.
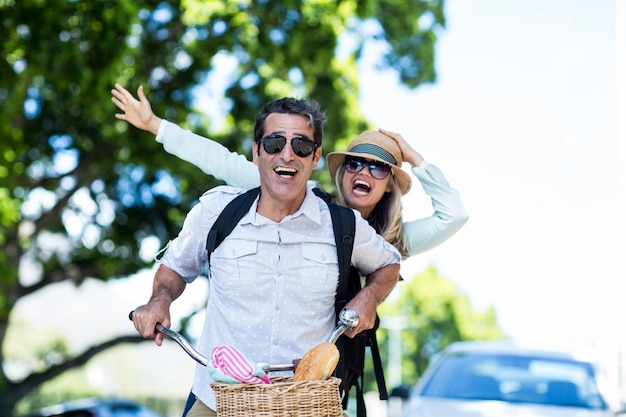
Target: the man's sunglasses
pixel 302 146
pixel 378 170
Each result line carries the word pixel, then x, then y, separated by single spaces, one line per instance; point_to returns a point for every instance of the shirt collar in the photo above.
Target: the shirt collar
pixel 310 208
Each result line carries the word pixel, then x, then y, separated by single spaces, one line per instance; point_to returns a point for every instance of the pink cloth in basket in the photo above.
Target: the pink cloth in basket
pixel 234 364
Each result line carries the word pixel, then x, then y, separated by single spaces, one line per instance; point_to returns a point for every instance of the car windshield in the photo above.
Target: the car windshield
pixel 513 378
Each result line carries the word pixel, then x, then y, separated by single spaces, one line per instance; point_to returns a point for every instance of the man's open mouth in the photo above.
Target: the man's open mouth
pixel 285 172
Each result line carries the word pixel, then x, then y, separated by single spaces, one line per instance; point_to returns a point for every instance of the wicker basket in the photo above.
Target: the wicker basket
pixel 281 398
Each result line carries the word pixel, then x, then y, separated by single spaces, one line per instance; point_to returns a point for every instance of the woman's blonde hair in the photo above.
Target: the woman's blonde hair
pixel 386 218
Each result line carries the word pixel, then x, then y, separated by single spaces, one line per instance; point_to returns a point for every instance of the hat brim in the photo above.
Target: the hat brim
pixel 335 159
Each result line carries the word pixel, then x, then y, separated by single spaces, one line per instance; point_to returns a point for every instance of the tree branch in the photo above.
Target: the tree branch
pixel 23 388
pixel 86 165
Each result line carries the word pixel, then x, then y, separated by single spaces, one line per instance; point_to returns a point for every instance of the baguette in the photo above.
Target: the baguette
pixel 318 363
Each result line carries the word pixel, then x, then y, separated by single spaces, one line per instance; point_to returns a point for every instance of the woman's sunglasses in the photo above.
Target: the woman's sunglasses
pixel 377 169
pixel 275 143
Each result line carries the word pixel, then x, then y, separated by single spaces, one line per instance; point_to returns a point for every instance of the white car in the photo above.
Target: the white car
pixel 496 379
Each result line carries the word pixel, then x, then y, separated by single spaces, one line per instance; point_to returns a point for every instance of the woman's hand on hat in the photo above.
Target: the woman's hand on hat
pixel 409 154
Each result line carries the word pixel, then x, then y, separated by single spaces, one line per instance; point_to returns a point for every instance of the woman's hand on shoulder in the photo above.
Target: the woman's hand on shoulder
pixel 409 154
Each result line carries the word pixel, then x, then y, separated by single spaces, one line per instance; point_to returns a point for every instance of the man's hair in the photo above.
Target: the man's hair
pixel 309 109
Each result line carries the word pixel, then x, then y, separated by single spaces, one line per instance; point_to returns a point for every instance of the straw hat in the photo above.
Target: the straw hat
pixel 373 145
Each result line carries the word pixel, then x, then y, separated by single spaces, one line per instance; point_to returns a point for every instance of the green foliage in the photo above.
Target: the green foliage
pixel 435 314
pixel 80 191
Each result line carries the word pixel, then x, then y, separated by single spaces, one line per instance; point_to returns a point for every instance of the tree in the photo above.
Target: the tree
pixel 435 313
pixel 80 193
pixel 31 345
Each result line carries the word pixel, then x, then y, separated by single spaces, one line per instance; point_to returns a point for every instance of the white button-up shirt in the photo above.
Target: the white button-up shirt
pixel 272 285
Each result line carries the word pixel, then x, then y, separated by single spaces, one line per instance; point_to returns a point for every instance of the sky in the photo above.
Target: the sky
pixel 523 121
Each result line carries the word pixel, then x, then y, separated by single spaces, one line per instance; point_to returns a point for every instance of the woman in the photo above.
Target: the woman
pixel 368 176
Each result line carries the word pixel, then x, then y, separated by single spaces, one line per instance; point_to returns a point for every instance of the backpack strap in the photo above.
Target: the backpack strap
pixel 361 411
pixel 378 364
pixel 229 218
pixel 344 225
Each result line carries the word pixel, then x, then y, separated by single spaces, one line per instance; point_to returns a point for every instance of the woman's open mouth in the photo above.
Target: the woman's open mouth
pixel 360 187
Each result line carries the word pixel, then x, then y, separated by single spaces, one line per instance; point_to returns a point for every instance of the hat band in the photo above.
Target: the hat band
pixel 376 151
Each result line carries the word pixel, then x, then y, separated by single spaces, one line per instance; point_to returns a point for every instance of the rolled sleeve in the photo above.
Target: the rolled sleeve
pixel 449 214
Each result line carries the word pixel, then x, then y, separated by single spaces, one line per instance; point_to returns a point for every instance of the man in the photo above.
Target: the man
pixel 274 278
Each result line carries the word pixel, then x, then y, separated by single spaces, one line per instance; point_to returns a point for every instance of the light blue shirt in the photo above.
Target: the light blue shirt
pixel 272 285
pixel 420 235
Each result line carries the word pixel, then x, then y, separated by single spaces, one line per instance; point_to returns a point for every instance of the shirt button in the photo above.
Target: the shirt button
pixel 275 341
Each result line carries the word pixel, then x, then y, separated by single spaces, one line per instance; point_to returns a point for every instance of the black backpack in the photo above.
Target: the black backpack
pixel 352 351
